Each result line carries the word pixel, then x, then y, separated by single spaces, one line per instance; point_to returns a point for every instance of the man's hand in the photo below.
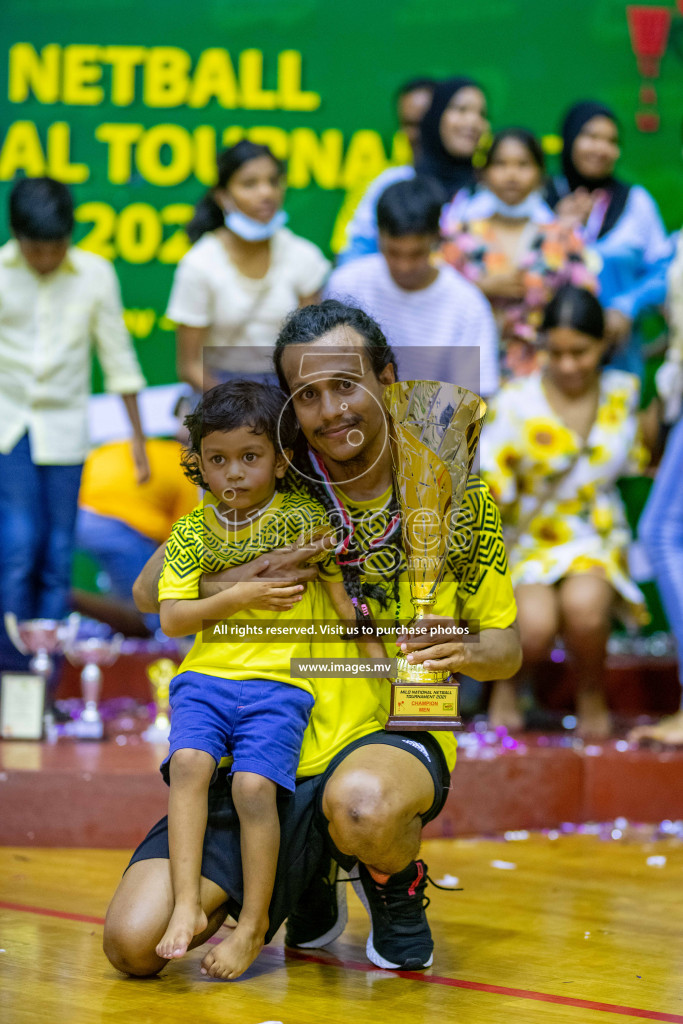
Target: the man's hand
pixel 491 654
pixel 266 595
pixel 423 650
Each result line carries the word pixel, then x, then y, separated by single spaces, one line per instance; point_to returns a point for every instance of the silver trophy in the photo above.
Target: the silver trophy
pixel 41 638
pixel 93 653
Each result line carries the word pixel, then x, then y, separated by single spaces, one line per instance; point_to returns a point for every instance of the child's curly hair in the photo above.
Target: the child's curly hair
pixel 238 403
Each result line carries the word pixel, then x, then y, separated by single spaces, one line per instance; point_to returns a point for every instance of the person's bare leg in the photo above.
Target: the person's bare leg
pixel 585 606
pixel 373 802
pixel 190 775
pixel 255 802
pixel 538 618
pixel 139 913
pixel 669 731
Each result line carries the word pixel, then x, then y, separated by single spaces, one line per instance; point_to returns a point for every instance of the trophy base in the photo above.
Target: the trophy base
pixel 423 700
pixel 80 730
pixel 424 724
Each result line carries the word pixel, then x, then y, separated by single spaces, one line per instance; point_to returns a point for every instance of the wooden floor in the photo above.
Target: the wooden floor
pixel 578 930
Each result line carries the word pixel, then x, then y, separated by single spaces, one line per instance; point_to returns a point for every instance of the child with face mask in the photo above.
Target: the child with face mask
pixel 507 241
pixel 243 274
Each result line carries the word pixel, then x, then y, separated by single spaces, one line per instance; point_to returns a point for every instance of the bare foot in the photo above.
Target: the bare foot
pixel 235 953
pixel 185 923
pixel 669 731
pixel 594 719
pixel 503 707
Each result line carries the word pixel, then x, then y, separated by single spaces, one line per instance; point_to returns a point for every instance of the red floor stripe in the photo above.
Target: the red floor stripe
pixel 478 986
pixel 430 979
pixel 45 912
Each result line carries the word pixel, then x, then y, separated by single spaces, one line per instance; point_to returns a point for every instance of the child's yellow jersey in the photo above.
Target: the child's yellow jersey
pixel 201 543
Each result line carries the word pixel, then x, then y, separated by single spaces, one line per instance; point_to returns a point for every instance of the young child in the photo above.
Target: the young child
pixel 240 442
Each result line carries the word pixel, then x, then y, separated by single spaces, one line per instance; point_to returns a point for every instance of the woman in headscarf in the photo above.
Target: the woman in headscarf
pixel 620 222
pixel 450 132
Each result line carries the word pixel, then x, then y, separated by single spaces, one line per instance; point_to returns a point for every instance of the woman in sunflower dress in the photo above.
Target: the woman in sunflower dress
pixel 508 242
pixel 552 450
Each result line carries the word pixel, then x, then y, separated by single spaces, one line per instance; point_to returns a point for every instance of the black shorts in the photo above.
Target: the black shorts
pixel 304 839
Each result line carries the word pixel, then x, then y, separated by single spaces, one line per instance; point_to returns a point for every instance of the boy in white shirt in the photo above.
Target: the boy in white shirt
pixel 56 304
pixel 427 311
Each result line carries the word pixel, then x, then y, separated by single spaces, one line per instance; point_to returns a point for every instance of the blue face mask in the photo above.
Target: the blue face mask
pixel 251 230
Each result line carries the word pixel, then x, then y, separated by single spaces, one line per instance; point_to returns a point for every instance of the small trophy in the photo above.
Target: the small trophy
pixel 160 673
pixel 92 653
pixel 435 431
pixel 23 693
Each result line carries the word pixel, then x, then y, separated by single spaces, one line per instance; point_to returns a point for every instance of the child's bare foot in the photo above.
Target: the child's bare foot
pixel 235 953
pixel 503 707
pixel 594 720
pixel 186 922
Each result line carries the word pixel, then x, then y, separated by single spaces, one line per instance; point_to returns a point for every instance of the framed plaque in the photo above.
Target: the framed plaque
pixel 22 703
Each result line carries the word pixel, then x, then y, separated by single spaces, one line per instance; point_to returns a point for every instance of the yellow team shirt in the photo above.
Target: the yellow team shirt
pixel 476 589
pixel 201 543
pixel 109 487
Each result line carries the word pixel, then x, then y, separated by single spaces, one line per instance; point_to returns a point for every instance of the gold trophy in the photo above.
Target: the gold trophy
pixel 435 432
pixel 160 673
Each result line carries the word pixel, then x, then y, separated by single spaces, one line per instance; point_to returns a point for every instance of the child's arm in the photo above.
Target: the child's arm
pixel 183 617
pixel 371 647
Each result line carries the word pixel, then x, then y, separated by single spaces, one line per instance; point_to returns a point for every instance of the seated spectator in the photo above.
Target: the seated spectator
pixel 449 135
pixel 57 304
pixel 121 523
pixel 427 311
pixel 552 450
pixel 507 241
pixel 620 222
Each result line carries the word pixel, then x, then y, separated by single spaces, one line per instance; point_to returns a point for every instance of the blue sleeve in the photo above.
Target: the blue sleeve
pixel 649 292
pixel 362 230
pixel 649 287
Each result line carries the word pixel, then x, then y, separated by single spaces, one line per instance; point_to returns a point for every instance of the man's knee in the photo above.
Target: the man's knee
pixel 363 808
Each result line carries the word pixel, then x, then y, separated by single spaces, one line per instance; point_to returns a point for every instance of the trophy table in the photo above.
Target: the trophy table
pixel 435 431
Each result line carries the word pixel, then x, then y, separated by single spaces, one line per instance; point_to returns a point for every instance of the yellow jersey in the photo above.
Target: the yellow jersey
pixel 476 589
pixel 201 543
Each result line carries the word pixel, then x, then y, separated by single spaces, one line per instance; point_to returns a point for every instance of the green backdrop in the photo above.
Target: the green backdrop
pixel 127 101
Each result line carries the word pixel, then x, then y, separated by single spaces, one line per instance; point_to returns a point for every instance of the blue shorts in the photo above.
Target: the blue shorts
pixel 261 722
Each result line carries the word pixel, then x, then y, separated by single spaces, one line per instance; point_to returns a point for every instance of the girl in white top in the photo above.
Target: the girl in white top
pixel 244 273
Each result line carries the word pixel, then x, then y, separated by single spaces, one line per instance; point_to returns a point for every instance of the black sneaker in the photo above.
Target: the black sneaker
pixel 400 938
pixel 320 916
